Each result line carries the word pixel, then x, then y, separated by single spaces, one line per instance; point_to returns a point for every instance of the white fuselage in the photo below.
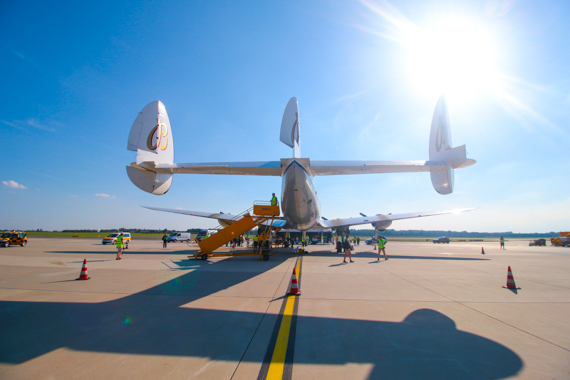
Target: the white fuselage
pixel 299 201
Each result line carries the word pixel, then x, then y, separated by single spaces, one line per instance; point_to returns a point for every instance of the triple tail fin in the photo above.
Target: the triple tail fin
pixel 151 138
pixel 290 128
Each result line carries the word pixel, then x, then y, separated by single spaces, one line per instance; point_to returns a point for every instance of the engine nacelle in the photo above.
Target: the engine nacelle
pixel 382 225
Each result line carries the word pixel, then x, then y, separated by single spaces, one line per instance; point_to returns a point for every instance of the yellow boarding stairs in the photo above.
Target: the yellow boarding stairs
pixel 240 224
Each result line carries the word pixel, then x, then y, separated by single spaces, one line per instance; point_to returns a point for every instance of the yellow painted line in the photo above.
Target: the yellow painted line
pixel 278 359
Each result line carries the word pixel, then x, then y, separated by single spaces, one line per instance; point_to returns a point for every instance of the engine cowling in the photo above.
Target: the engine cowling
pixel 382 225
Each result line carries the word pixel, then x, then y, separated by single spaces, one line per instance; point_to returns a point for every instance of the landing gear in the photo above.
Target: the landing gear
pixel 204 256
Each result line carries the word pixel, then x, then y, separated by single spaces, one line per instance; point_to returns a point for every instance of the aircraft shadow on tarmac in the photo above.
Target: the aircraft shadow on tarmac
pixel 426 344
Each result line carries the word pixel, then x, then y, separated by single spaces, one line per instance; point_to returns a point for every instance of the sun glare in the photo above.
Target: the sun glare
pixel 452 57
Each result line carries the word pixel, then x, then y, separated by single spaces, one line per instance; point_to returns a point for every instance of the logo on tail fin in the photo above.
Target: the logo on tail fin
pixel 161 131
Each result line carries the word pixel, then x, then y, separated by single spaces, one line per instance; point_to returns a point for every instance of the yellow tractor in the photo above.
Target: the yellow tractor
pixel 562 241
pixel 13 238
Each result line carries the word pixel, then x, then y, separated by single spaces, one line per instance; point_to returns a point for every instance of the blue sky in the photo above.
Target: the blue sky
pixel 367 75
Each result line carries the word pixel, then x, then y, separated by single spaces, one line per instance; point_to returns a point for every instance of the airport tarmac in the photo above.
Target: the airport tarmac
pixel 430 311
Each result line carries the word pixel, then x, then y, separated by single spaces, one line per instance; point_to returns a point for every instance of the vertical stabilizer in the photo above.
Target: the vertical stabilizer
pixel 151 138
pixel 441 150
pixel 290 128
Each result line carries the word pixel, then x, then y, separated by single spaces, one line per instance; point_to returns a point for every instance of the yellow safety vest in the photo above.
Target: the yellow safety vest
pixel 119 241
pixel 255 238
pixel 274 201
pixel 380 243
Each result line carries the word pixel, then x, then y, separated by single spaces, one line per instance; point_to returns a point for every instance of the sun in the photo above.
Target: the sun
pixel 455 57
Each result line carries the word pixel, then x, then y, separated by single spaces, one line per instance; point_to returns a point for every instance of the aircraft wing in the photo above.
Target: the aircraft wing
pixel 220 216
pixel 261 168
pixel 369 167
pixel 346 222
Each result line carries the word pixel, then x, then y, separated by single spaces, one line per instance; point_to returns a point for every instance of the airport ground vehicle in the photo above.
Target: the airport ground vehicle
pixel 371 240
pixel 562 241
pixel 112 238
pixel 13 238
pixel 202 235
pixel 441 239
pixel 537 242
pixel 179 237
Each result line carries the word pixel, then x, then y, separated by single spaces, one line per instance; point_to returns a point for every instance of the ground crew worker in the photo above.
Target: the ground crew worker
pixel 502 242
pixel 381 243
pixel 119 246
pixel 255 241
pixel 164 238
pixel 274 200
pixel 346 246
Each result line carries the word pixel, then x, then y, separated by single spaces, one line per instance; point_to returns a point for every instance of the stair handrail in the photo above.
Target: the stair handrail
pixel 220 227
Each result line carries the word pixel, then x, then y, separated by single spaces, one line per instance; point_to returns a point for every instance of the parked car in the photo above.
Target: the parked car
pixel 204 234
pixel 537 242
pixel 112 238
pixel 371 240
pixel 441 239
pixel 179 236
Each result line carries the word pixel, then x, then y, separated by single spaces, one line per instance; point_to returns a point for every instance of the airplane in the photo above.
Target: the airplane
pixel 151 138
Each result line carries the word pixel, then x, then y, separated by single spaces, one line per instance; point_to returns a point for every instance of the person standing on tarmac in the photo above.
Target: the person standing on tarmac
pixel 164 238
pixel 119 246
pixel 381 243
pixel 346 246
pixel 502 242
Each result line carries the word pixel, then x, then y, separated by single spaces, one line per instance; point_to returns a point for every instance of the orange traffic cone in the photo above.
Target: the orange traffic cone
pixel 294 286
pixel 510 280
pixel 482 251
pixel 83 275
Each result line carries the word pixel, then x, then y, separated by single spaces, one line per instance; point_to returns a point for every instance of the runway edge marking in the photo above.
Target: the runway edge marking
pixel 278 361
